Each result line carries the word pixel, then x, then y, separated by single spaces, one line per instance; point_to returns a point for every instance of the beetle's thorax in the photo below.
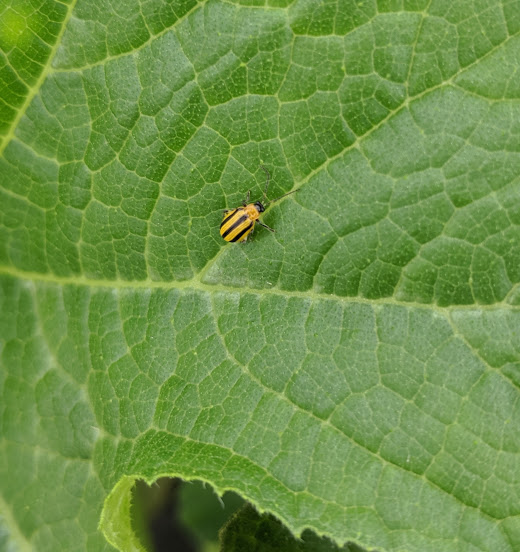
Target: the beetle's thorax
pixel 253 210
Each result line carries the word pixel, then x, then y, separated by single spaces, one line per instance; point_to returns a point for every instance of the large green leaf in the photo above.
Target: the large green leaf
pixel 357 372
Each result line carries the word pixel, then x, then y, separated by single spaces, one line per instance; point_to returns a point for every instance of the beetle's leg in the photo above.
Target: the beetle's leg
pixel 265 226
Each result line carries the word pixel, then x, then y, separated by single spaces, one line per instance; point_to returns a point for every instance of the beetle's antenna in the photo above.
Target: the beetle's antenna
pixel 267 180
pixel 264 168
pixel 288 193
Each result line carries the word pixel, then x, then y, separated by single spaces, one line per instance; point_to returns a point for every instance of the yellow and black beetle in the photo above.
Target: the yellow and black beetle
pixel 239 223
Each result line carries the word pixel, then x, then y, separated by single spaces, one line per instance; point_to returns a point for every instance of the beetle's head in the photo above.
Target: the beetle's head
pixel 259 206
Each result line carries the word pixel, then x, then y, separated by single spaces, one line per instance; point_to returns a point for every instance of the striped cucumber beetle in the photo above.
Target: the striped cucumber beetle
pixel 238 223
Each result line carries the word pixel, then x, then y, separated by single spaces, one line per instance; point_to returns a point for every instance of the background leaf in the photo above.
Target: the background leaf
pixel 355 373
pixel 248 530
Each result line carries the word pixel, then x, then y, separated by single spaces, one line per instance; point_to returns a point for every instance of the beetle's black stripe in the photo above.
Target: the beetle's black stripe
pixel 241 233
pixel 228 216
pixel 236 224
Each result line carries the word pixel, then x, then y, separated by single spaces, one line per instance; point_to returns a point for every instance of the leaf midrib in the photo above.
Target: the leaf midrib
pixel 196 285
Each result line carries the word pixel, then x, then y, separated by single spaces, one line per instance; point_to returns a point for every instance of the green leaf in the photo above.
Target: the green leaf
pixel 355 373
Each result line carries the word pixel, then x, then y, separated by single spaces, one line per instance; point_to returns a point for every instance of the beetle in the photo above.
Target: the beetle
pixel 238 223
